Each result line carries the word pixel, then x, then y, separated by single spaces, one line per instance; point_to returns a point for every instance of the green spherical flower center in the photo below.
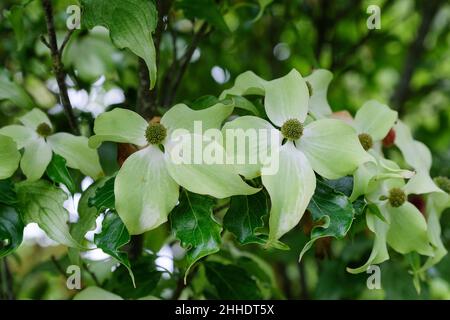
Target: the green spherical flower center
pixel 366 141
pixel 310 89
pixel 44 130
pixel 397 197
pixel 155 133
pixel 292 129
pixel 443 183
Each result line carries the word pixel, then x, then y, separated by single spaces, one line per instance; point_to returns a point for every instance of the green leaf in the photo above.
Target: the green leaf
pixel 344 185
pixel 193 223
pixel 92 56
pixel 113 236
pixel 204 102
pixel 373 208
pixel 333 210
pixel 42 203
pixel 245 217
pixel 203 9
pixel 11 230
pixel 146 277
pixel 359 205
pixel 13 92
pixel 130 24
pixel 16 18
pixel 9 157
pixel 104 196
pixel 244 104
pixel 86 217
pixel 232 282
pixel 58 172
pixel 7 193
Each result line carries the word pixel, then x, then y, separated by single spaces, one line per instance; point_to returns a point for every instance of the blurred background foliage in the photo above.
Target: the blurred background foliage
pixel 405 64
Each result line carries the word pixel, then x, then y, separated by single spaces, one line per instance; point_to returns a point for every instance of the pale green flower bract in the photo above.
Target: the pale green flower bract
pixel 147 186
pixel 38 148
pixel 327 146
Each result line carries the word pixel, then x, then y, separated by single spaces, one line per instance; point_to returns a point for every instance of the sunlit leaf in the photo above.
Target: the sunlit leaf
pixel 130 24
pixel 42 203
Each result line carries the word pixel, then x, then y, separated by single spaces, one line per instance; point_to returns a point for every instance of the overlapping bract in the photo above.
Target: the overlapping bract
pixel 147 185
pixel 38 148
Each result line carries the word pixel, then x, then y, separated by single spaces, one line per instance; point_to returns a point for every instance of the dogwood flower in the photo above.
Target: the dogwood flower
pixel 418 156
pixel 97 101
pixel 36 137
pixel 395 221
pixel 147 185
pixel 372 122
pixel 436 203
pixel 326 146
pixel 9 157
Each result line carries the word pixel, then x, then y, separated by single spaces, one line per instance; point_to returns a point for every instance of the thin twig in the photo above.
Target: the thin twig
pixel 93 276
pixel 185 60
pixel 148 99
pixel 45 42
pixel 144 97
pixel 58 67
pixel 415 52
pixel 65 41
pixel 58 266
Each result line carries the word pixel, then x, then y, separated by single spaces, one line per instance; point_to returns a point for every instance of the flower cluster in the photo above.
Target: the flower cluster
pixel 311 142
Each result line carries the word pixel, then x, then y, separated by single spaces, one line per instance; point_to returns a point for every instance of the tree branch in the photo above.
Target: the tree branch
pixel 415 52
pixel 148 99
pixel 145 105
pixel 184 63
pixel 58 67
